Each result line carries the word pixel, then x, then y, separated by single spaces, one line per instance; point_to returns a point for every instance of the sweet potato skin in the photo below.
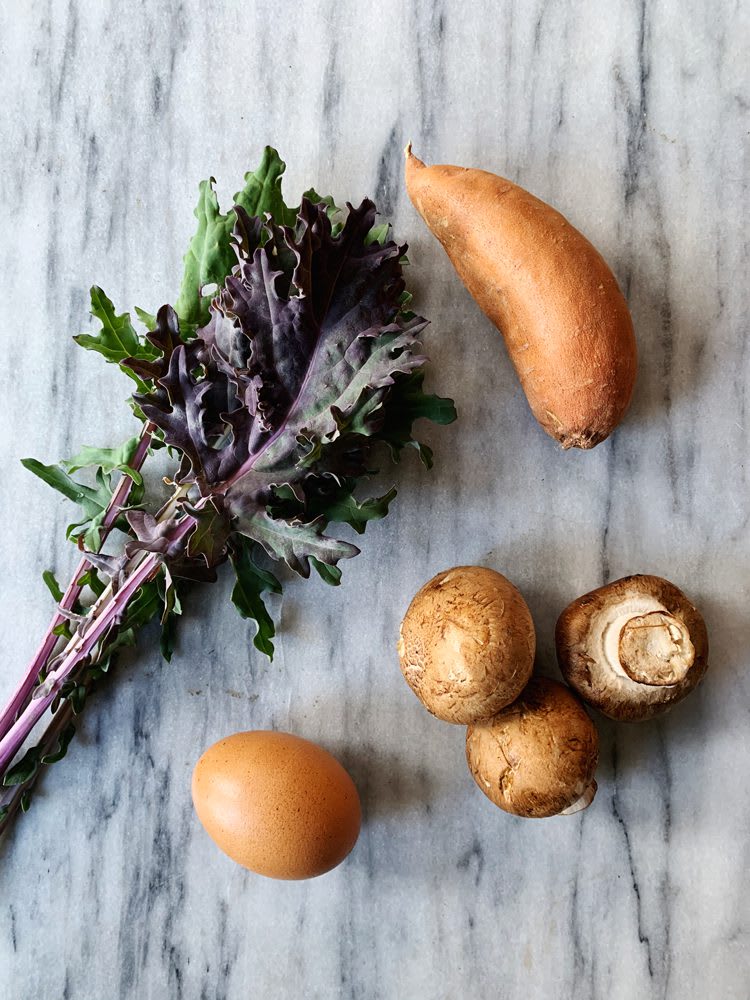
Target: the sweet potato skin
pixel 551 294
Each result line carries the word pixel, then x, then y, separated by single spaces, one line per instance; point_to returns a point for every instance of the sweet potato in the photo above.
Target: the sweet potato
pixel 563 317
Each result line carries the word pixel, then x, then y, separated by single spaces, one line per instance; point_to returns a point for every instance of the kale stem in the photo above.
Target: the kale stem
pixel 10 797
pixel 19 699
pixel 77 650
pixel 102 616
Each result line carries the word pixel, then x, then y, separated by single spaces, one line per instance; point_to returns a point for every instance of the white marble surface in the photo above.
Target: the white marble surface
pixel 632 118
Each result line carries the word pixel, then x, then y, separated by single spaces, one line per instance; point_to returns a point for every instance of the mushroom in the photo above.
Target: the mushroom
pixel 538 756
pixel 633 648
pixel 466 644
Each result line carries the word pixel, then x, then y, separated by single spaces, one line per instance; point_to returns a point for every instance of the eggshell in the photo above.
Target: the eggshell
pixel 277 804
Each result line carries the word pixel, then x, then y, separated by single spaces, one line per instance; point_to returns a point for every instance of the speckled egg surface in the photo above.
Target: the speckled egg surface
pixel 277 804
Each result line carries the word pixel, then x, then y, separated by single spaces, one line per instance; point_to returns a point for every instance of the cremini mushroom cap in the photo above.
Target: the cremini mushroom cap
pixel 467 644
pixel 632 648
pixel 538 756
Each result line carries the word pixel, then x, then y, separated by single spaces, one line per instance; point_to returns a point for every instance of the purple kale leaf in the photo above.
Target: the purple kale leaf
pixel 284 395
pixel 315 321
pixel 164 337
pixel 197 408
pixel 152 535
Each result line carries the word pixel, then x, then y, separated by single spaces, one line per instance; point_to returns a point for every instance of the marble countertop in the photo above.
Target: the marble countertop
pixel 632 119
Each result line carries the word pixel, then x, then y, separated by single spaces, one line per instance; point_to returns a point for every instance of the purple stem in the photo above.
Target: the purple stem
pixel 119 498
pixel 10 797
pixel 103 617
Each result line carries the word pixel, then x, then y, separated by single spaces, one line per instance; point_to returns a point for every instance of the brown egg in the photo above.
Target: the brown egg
pixel 277 804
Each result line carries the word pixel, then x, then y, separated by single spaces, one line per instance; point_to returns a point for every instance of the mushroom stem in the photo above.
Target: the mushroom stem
pixel 582 802
pixel 644 643
pixel 655 649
